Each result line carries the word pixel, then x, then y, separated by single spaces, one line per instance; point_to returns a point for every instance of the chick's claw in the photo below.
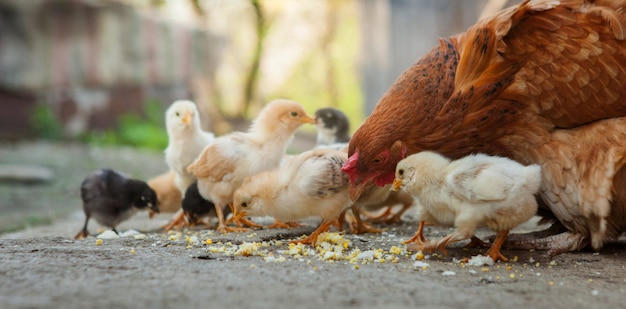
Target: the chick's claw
pixel 177 222
pixel 283 225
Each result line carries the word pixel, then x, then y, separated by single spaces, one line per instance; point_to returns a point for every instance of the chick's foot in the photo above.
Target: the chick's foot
pixel 283 225
pixel 177 221
pixel 312 239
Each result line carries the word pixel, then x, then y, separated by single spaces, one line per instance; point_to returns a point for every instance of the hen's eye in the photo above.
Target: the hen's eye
pixel 294 114
pixel 244 204
pixel 377 161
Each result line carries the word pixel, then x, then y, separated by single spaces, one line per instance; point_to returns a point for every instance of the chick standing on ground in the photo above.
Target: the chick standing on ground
pixel 225 163
pixel 308 185
pixel 111 198
pixel 475 191
pixel 186 140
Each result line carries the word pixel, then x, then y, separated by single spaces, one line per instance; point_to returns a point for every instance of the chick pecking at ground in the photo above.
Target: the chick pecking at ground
pixel 111 198
pixel 474 191
pixel 224 164
pixel 310 184
pixel 333 131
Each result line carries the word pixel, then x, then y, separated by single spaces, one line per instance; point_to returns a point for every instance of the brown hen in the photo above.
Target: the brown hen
pixel 542 82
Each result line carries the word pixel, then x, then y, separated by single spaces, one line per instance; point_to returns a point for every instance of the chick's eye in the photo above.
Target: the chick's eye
pixel 294 114
pixel 177 114
pixel 244 204
pixel 401 172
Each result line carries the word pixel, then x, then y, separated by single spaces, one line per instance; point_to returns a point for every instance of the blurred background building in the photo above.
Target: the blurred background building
pixel 77 69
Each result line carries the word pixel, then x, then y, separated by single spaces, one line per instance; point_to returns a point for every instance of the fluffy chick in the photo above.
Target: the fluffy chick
pixel 111 198
pixel 308 185
pixel 186 140
pixel 195 207
pixel 224 164
pixel 168 194
pixel 474 191
pixel 333 128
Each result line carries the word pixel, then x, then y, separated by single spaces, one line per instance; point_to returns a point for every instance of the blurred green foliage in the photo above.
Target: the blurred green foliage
pixel 45 123
pixel 146 131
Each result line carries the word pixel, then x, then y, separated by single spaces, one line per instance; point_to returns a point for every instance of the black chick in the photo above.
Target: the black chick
pixel 195 207
pixel 111 198
pixel 333 126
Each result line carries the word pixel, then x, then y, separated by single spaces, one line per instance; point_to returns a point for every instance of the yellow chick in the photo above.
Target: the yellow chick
pixel 310 184
pixel 224 164
pixel 474 191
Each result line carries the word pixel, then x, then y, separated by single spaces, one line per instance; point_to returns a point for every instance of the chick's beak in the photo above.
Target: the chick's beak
pixel 397 183
pixel 186 118
pixel 308 119
pixel 154 207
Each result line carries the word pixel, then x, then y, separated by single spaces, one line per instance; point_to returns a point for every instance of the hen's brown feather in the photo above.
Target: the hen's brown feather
pixel 542 82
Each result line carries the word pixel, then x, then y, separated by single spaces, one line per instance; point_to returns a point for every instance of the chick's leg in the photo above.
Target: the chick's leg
pixel 83 233
pixel 241 220
pixel 221 222
pixel 494 251
pixel 177 221
pixel 312 239
pixel 440 244
pixel 418 237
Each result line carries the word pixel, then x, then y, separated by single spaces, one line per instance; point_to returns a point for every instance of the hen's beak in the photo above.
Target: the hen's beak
pixel 186 118
pixel 308 119
pixel 397 183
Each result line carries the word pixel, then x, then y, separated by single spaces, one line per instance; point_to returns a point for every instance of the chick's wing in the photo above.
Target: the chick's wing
pixel 478 183
pixel 221 158
pixel 321 176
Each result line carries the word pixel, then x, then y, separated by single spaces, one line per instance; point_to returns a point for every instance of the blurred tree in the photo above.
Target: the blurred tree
pixel 328 38
pixel 261 27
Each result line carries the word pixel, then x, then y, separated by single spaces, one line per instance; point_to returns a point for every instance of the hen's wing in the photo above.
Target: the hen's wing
pixel 540 65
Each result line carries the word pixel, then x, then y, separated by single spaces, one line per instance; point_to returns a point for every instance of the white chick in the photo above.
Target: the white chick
pixel 474 191
pixel 310 184
pixel 224 164
pixel 186 140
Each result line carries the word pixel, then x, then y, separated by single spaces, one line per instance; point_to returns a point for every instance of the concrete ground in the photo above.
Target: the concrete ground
pixel 42 266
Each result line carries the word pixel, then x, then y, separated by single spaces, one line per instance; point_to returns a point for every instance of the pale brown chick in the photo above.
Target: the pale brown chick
pixel 224 164
pixel 475 191
pixel 308 185
pixel 169 196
